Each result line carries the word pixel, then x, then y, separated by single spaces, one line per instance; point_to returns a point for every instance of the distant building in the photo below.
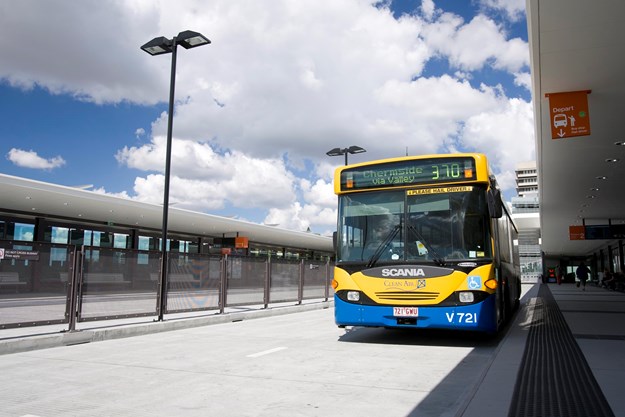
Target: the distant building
pixel 526 214
pixel 526 179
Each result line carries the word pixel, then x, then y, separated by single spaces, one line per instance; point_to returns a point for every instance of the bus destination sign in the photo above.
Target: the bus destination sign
pixel 408 172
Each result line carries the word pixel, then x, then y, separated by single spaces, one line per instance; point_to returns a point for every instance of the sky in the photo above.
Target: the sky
pixel 282 83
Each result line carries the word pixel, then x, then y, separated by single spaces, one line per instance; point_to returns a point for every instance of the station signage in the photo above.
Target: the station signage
pixel 568 114
pixel 577 233
pixel 597 232
pixel 241 242
pixel 29 255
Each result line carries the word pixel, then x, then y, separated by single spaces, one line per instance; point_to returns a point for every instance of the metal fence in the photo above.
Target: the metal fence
pixel 44 283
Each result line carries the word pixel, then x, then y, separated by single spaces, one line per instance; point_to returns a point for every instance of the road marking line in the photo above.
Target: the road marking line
pixel 266 352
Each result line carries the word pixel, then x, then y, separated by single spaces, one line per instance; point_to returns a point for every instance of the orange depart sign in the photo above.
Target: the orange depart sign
pixel 577 233
pixel 568 113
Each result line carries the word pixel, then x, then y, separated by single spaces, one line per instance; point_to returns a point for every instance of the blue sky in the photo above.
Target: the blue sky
pixel 282 83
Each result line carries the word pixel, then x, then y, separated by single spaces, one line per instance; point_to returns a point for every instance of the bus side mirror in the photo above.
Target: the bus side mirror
pixel 495 207
pixel 334 234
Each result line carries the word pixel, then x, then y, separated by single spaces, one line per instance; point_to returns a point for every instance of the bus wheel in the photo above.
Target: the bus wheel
pixel 507 303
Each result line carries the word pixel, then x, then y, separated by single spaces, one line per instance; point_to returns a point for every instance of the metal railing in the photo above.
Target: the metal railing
pixel 46 283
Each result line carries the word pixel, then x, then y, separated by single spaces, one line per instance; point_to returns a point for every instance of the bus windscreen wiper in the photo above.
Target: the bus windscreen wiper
pixel 438 260
pixel 380 249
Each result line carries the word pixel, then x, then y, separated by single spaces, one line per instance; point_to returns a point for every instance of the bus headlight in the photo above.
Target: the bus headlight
pixel 353 295
pixel 466 297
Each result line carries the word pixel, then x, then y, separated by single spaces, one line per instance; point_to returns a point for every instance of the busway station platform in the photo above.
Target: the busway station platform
pixel 563 354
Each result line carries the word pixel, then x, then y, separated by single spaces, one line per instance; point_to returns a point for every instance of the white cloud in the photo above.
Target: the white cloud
pixel 102 190
pixel 94 67
pixel 523 79
pixel 476 44
pixel 514 9
pixel 430 111
pixel 321 193
pixel 505 135
pixel 30 159
pixel 189 159
pixel 318 208
pixel 281 83
pixel 202 179
pixel 428 8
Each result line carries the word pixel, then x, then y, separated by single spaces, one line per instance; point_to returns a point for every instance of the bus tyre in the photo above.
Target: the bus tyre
pixel 507 302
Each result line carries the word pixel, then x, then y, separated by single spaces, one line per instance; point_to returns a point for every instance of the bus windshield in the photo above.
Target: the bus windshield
pixel 436 225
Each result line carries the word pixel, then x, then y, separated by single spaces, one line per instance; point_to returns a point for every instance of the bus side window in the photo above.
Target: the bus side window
pixel 495 207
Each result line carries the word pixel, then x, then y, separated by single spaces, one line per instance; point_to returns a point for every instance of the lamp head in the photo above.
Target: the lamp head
pixel 189 39
pixel 336 152
pixel 356 149
pixel 158 46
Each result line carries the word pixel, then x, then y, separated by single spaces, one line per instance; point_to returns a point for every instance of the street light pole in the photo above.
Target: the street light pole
pixel 170 126
pixel 157 46
pixel 345 151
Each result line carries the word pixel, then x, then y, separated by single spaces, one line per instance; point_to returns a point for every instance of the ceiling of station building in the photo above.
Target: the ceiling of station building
pixel 578 46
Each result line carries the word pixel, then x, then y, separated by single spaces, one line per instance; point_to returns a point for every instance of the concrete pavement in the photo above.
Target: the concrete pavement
pixel 297 364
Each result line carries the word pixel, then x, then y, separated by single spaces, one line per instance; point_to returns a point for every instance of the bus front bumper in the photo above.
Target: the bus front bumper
pixel 480 316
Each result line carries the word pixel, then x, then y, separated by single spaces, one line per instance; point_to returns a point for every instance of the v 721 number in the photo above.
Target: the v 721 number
pixel 462 318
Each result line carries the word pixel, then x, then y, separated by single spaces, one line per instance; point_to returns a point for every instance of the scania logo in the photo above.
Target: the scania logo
pixel 407 271
pixel 403 272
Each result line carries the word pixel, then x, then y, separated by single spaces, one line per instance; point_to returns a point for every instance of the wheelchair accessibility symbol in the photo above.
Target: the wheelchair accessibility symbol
pixel 475 282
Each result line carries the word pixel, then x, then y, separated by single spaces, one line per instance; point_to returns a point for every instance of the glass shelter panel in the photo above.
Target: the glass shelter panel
pixel 245 280
pixel 193 282
pixel 34 286
pixel 285 279
pixel 115 284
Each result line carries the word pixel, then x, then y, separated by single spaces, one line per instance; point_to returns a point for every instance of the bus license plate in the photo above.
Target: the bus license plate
pixel 406 311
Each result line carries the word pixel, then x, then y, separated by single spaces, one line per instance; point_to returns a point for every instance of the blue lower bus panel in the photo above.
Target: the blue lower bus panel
pixel 476 317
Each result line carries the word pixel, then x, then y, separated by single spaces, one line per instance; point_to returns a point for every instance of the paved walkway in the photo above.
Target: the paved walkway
pixel 593 322
pixel 24 339
pixel 596 318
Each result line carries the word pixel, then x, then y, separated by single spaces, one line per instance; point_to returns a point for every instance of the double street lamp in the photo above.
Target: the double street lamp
pixel 158 46
pixel 345 151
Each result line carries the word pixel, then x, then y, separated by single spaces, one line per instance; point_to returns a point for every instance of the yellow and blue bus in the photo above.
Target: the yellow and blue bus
pixel 424 242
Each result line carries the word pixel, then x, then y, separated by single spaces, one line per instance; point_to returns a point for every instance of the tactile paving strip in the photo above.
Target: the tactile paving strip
pixel 554 379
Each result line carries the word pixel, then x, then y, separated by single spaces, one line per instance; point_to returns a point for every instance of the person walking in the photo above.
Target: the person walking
pixel 582 273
